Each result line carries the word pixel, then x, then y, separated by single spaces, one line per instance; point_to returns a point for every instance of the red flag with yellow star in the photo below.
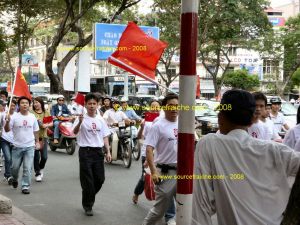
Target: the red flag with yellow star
pixel 137 52
pixel 20 86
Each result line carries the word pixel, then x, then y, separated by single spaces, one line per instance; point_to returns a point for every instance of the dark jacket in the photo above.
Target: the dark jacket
pixel 55 110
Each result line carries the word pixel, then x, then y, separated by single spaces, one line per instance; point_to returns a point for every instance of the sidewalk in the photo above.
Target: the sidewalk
pixel 18 217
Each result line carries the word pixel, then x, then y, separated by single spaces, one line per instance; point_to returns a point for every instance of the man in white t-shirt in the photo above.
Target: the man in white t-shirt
pixel 276 116
pixel 25 129
pixel 92 136
pixel 259 129
pixel 248 181
pixel 163 138
pixel 265 118
pixel 113 115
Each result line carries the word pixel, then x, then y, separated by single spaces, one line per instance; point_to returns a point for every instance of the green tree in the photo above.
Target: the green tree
pixel 290 42
pixel 224 24
pixel 69 23
pixel 166 15
pixel 25 16
pixel 241 79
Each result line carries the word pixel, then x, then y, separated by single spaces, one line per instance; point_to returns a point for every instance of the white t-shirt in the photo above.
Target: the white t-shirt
pixel 271 132
pixel 8 136
pixel 163 136
pixel 23 128
pixel 145 133
pixel 278 121
pixel 292 136
pixel 111 116
pixel 259 130
pixel 91 132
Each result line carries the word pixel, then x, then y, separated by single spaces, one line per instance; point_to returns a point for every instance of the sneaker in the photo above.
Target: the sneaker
pixel 42 173
pixel 38 178
pixel 25 191
pixel 14 183
pixel 10 180
pixel 89 212
pixel 171 222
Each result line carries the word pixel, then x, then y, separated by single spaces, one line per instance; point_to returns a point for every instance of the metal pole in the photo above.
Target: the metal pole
pixel 186 123
pixel 78 56
pixel 126 85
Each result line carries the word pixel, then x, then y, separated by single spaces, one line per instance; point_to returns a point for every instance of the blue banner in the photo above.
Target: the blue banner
pixel 34 79
pixel 107 36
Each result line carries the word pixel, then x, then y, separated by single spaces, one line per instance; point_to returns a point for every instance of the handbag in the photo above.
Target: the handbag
pixel 149 187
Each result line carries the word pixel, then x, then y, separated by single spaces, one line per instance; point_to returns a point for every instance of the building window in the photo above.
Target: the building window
pixel 270 67
pixel 172 71
pixel 232 51
pixel 211 69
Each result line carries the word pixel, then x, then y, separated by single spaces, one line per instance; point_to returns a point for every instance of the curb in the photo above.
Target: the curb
pixel 5 205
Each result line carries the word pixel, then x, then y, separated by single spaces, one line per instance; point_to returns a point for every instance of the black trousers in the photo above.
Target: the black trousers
pixel 139 188
pixel 91 172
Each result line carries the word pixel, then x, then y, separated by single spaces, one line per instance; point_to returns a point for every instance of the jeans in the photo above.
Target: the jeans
pixel 40 158
pixel 92 176
pixel 139 188
pixel 164 195
pixel 56 129
pixel 6 149
pixel 171 212
pixel 25 156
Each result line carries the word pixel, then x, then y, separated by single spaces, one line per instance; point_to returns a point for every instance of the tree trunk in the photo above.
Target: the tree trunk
pixel 292 212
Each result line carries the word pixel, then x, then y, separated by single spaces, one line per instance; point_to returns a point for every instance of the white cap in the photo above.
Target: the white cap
pixel 60 96
pixel 124 99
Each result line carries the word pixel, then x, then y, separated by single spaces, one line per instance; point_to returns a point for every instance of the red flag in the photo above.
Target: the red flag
pixel 20 87
pixel 137 53
pixel 79 99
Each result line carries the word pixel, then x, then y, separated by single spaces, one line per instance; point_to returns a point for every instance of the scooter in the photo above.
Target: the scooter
pixel 67 139
pixel 120 145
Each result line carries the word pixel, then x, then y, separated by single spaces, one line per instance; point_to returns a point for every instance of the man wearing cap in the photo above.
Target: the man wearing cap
pixel 247 178
pixel 265 118
pixel 114 115
pixel 276 116
pixel 59 109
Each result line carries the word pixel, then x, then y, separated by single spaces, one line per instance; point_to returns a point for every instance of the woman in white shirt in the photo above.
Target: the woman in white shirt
pixel 145 127
pixel 293 135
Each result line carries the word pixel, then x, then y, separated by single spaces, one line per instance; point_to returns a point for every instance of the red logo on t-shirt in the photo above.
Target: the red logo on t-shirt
pixel 94 126
pixel 254 135
pixel 176 133
pixel 24 123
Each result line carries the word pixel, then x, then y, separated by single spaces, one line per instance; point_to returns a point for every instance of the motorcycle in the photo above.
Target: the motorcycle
pixel 120 145
pixel 67 139
pixel 135 144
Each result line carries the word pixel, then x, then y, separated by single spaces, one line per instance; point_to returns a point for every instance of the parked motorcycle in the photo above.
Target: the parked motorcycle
pixel 67 139
pixel 120 145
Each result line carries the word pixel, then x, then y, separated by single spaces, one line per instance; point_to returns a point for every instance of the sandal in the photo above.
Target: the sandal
pixel 135 199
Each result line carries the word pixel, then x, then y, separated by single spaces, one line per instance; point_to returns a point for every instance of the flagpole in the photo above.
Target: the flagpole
pixel 186 123
pixel 12 90
pixel 141 74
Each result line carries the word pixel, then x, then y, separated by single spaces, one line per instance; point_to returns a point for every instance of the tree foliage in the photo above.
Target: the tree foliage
pixel 69 23
pixel 241 79
pixel 228 23
pixel 166 15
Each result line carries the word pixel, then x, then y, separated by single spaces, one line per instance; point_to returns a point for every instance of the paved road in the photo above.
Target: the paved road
pixel 57 200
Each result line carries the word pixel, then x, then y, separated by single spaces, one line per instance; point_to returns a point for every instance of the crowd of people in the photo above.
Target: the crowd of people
pixel 247 145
